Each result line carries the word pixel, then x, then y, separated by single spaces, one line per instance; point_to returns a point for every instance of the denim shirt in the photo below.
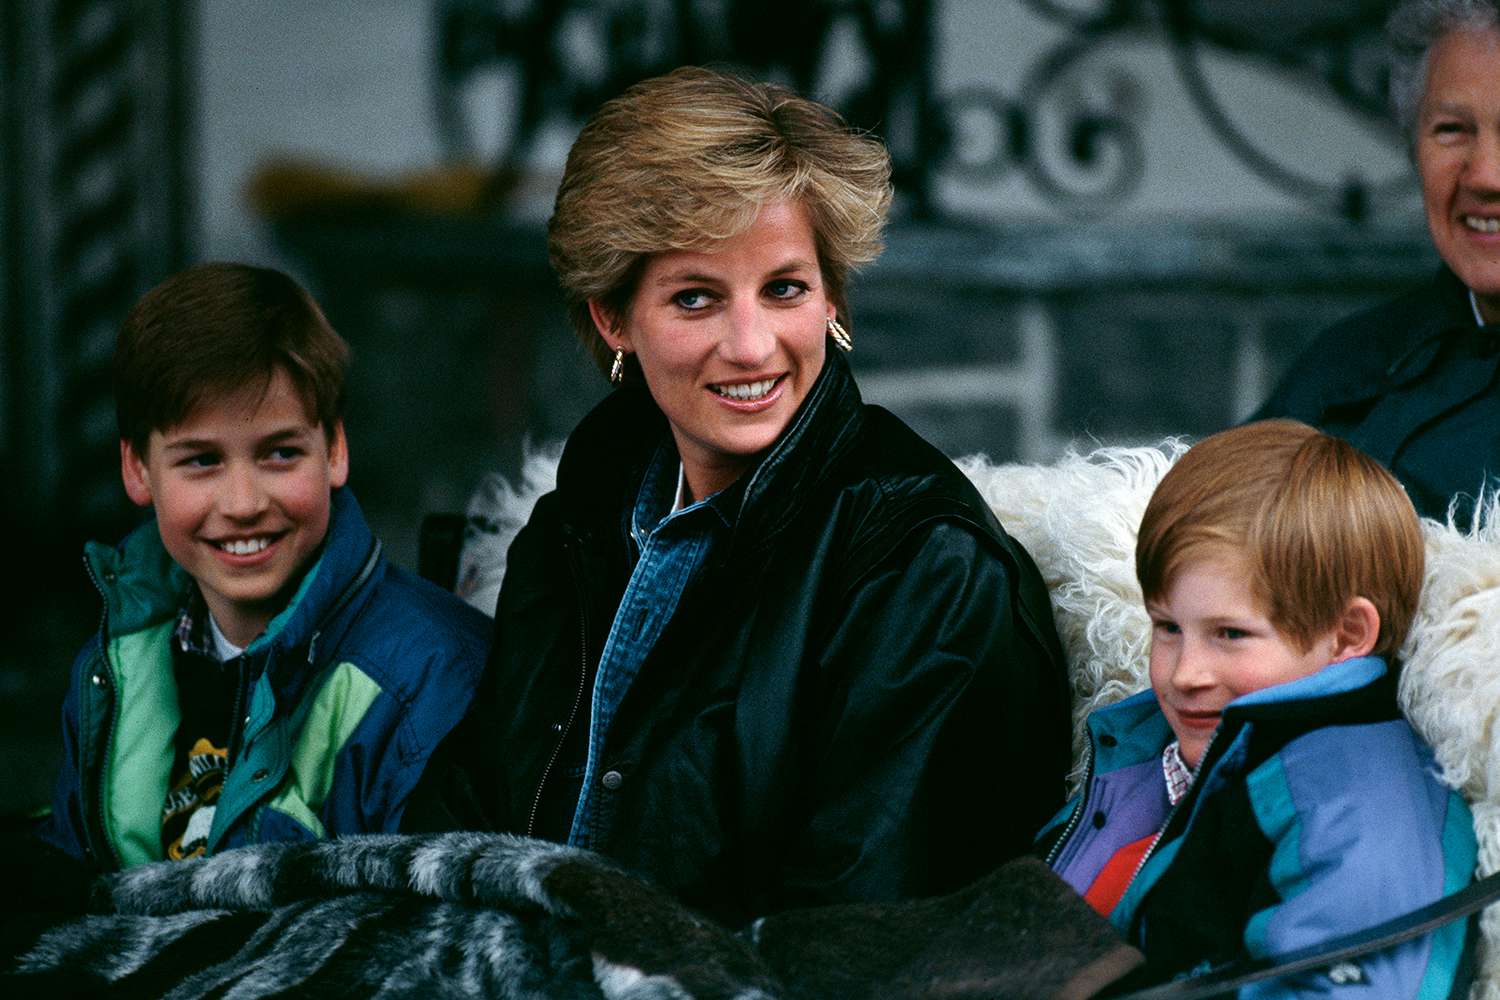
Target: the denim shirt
pixel 671 547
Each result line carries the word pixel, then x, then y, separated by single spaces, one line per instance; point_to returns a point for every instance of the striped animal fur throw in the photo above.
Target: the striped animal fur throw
pixel 490 915
pixel 1078 519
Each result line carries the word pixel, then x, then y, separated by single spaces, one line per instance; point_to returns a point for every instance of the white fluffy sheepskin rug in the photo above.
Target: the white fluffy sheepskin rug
pixel 1450 688
pixel 497 510
pixel 1078 518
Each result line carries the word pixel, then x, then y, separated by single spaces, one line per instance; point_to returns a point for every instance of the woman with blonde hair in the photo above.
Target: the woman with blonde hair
pixel 762 643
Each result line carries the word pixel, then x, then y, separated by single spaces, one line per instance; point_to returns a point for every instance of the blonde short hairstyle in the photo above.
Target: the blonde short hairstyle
pixel 686 160
pixel 1316 521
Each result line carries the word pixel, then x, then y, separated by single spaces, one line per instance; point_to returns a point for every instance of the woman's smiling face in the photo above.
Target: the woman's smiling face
pixel 730 341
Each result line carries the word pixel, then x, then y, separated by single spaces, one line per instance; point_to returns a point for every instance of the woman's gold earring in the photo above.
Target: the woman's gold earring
pixel 617 370
pixel 840 335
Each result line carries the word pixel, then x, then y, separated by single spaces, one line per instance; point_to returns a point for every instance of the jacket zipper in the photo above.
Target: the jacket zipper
pixel 371 561
pixel 583 676
pixel 1083 801
pixel 1088 780
pixel 104 846
pixel 239 729
pixel 1172 813
pixel 236 726
pixel 237 721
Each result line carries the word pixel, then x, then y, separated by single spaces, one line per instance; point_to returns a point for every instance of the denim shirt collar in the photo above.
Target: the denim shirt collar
pixel 656 500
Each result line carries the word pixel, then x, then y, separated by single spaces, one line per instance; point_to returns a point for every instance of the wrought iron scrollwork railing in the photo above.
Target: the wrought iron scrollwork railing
pixel 1072 126
pixel 1335 47
pixel 565 57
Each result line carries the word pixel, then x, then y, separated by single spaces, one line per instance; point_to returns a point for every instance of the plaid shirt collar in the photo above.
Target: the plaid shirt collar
pixel 195 632
pixel 1178 775
pixel 192 633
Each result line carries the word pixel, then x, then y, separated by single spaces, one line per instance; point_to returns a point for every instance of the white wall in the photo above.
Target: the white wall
pixel 341 81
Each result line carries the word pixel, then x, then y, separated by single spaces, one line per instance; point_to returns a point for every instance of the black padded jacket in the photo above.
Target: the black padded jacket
pixel 1413 383
pixel 861 697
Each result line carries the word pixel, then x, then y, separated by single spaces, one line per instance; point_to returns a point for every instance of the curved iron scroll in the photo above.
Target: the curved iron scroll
pixel 1072 127
pixel 537 42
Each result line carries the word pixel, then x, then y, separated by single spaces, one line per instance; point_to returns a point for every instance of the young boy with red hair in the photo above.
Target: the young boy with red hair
pixel 1266 794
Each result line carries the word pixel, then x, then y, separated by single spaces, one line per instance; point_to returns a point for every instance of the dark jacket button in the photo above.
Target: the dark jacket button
pixel 612 780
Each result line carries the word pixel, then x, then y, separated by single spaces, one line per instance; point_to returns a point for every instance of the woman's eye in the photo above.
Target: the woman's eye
pixel 692 299
pixel 1233 633
pixel 785 289
pixel 1165 627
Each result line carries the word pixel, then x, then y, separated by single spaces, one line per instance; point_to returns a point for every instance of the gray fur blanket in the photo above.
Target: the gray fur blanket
pixel 489 915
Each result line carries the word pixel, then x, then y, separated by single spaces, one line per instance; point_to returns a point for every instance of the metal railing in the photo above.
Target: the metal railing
pixel 1072 127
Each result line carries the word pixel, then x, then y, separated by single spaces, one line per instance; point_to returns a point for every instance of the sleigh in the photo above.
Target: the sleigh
pixel 492 915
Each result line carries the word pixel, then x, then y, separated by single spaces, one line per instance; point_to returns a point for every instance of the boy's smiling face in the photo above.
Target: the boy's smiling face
pixel 242 490
pixel 1211 642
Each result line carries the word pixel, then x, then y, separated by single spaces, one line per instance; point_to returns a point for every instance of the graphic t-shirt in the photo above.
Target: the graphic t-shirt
pixel 209 673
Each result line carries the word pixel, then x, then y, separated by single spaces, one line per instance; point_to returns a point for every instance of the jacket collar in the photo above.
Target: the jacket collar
pixel 819 434
pixel 605 458
pixel 142 585
pixel 350 557
pixel 1408 348
pixel 1355 691
pixel 1454 318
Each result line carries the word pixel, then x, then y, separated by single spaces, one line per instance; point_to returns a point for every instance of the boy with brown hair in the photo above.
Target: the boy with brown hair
pixel 1266 794
pixel 261 673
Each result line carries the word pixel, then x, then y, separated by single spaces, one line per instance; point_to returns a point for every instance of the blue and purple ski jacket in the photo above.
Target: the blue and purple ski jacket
pixel 1315 812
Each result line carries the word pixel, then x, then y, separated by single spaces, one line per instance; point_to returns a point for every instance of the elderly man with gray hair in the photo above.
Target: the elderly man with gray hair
pixel 1413 381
